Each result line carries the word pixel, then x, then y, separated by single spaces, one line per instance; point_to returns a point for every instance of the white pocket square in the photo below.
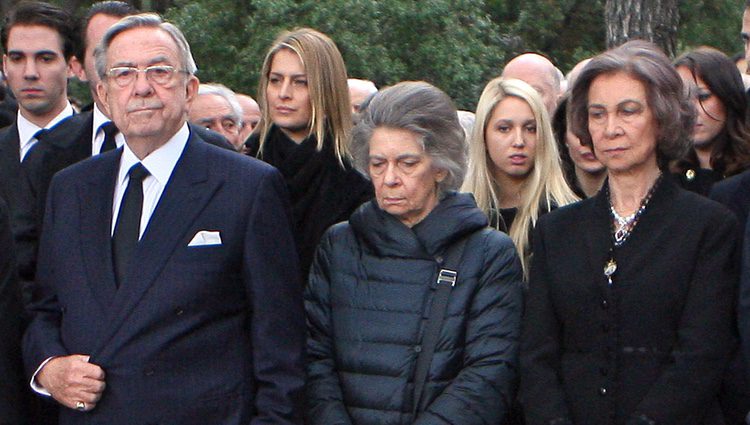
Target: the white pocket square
pixel 205 238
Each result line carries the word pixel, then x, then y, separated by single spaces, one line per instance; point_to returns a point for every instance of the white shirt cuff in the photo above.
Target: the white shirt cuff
pixel 35 385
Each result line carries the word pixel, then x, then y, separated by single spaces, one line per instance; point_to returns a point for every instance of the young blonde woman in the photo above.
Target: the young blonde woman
pixel 304 131
pixel 514 166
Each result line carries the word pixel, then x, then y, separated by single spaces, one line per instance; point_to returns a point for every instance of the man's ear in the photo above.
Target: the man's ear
pixel 101 91
pixel 440 175
pixel 75 69
pixel 191 89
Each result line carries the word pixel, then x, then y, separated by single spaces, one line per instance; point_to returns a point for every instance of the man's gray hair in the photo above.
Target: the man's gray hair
pixel 227 94
pixel 425 110
pixel 365 85
pixel 143 20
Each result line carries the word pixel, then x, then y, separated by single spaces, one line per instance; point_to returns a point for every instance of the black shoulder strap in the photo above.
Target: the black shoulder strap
pixel 446 279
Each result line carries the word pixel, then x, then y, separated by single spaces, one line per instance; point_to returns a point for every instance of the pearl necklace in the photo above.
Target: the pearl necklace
pixel 625 226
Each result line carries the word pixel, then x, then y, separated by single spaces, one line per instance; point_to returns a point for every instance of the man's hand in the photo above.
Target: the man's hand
pixel 72 380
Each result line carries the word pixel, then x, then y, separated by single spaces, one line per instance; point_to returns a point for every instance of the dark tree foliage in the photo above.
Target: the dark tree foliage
pixel 713 23
pixel 566 31
pixel 452 44
pixel 457 45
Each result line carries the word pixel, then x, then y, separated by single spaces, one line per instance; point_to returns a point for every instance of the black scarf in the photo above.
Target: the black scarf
pixel 322 192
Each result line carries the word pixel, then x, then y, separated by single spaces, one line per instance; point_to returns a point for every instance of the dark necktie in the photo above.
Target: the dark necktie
pixel 128 224
pixel 38 136
pixel 110 131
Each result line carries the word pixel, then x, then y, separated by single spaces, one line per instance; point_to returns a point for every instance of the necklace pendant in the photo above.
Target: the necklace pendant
pixel 620 235
pixel 610 268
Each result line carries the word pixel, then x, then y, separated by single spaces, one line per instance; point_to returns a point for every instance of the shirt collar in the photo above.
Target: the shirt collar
pixel 159 163
pixel 27 129
pixel 99 118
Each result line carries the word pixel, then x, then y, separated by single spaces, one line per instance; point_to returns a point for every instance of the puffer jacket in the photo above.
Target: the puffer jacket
pixel 371 283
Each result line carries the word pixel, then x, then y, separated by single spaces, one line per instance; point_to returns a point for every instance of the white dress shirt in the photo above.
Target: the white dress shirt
pixel 97 135
pixel 27 129
pixel 160 164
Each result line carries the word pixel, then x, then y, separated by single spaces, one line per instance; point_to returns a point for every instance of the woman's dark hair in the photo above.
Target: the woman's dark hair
pixel 730 153
pixel 559 129
pixel 672 110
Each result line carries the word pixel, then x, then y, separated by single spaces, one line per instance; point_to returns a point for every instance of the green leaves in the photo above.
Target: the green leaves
pixel 457 45
pixel 453 44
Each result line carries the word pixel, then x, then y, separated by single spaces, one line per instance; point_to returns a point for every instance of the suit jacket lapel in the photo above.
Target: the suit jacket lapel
pixel 96 224
pixel 187 192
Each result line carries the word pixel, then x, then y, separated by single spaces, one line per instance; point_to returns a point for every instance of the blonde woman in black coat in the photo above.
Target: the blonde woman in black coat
pixel 631 294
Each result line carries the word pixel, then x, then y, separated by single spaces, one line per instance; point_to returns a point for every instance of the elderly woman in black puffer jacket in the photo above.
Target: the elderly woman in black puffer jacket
pixel 372 284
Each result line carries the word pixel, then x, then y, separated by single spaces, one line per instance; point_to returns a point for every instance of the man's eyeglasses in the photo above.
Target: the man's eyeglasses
pixel 157 74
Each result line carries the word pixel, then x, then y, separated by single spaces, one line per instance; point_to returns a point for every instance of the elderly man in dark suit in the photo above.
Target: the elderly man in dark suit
pixel 168 286
pixel 82 135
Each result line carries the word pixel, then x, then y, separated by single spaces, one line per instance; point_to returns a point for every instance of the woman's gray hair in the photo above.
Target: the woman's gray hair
pixel 671 106
pixel 425 110
pixel 143 20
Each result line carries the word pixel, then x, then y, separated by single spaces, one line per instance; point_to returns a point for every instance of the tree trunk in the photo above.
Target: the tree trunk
pixel 652 20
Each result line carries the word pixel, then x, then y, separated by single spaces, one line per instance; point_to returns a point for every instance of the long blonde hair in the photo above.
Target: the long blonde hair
pixel 545 182
pixel 326 80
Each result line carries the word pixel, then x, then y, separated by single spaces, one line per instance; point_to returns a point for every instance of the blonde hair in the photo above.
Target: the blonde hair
pixel 326 82
pixel 545 182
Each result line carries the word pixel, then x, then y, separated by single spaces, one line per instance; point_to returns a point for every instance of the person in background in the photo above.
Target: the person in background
pixel 745 32
pixel 583 172
pixel 631 296
pixel 538 72
pixel 372 282
pixel 721 136
pixel 216 108
pixel 40 41
pixel 250 115
pixel 359 91
pixel 304 132
pixel 514 166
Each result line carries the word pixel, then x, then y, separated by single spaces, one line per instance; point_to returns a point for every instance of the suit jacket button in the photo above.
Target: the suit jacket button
pixel 439 259
pixel 179 312
pixel 602 391
pixel 605 304
pixel 417 348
